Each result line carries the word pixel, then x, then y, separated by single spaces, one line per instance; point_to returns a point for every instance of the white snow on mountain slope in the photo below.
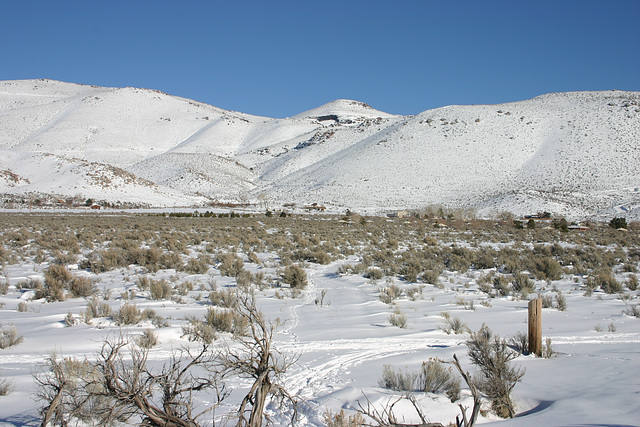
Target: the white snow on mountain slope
pixel 579 147
pixel 58 176
pixel 574 154
pixel 205 174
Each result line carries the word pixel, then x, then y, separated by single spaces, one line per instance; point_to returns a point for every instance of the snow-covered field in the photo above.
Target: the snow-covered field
pixel 338 326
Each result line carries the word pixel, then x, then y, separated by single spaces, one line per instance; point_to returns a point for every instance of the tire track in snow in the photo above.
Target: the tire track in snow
pixel 330 370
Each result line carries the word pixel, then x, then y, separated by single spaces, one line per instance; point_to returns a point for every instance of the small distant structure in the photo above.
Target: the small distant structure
pixel 399 214
pixel 579 227
pixel 540 216
pixel 315 207
pixel 96 207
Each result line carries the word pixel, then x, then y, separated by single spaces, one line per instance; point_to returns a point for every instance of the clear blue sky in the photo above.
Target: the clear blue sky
pixel 278 58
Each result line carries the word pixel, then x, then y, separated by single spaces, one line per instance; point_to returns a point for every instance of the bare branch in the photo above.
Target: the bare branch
pixel 474 392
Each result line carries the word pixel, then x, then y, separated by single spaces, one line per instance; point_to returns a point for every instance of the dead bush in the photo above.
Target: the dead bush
pixel 118 388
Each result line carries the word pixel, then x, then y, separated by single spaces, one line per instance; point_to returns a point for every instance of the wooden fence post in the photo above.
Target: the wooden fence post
pixel 535 326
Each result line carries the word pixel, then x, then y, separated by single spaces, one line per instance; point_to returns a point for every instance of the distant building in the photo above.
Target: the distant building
pixel 315 207
pixel 399 214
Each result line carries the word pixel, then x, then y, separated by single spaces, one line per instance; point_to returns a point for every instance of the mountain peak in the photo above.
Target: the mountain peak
pixel 343 108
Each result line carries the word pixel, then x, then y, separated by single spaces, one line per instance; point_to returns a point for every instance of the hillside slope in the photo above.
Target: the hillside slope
pixel 575 154
pixel 571 153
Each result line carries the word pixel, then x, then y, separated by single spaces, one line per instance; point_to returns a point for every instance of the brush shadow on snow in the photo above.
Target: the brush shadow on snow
pixel 545 404
pixel 20 420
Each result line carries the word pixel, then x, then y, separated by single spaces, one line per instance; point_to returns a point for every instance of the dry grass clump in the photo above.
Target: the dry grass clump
pixel 398 318
pixel 453 325
pixel 226 320
pixel 148 339
pixel 6 387
pixel 433 377
pixel 9 336
pixel 95 309
pixel 160 289
pixel 389 294
pixel 342 419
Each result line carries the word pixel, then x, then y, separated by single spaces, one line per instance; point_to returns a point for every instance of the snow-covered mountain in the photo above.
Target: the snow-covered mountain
pixel 575 154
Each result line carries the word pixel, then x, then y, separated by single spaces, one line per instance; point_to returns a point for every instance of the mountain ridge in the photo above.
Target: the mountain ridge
pixel 573 153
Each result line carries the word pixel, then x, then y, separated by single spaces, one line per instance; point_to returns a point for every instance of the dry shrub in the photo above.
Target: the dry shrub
pixel 520 342
pixel 454 325
pixel 196 330
pixel 501 285
pixel 96 308
pixel 497 377
pixel 603 278
pixel 129 314
pixel 374 273
pixel 226 321
pixel 522 283
pixel 148 339
pixel 160 289
pixel 295 276
pixel 226 298
pixel 81 287
pixel 431 277
pixel 434 377
pixel 342 419
pixel 397 379
pixel 398 318
pixel 6 387
pixel 230 265
pixel 198 265
pixel 546 268
pixel 9 336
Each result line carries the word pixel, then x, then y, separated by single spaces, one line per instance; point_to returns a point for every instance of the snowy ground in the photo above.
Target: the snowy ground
pixel 344 338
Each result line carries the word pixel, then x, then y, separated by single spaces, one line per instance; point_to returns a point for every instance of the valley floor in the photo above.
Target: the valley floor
pixel 338 327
